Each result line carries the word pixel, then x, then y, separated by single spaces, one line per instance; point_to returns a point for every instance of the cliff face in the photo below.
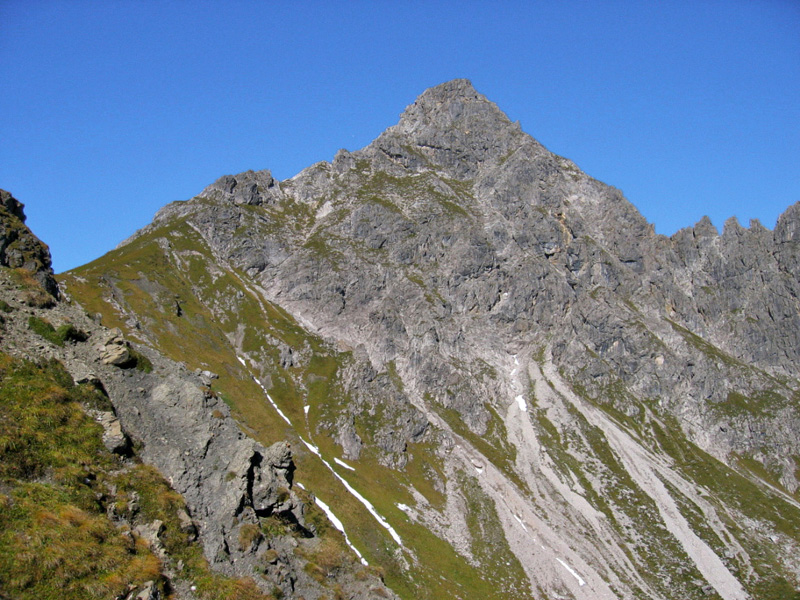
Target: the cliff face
pixel 489 365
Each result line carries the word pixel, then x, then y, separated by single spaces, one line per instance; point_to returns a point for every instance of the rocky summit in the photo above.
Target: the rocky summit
pixel 447 365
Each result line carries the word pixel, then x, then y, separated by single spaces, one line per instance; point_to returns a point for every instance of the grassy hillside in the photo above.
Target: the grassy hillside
pixel 69 508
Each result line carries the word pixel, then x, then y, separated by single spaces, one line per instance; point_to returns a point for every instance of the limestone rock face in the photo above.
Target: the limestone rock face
pixel 116 354
pixel 518 244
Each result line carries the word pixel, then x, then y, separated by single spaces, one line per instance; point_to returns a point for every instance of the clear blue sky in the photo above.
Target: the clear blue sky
pixel 110 110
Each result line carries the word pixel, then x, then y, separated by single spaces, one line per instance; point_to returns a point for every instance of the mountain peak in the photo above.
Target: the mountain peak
pixel 454 126
pixel 451 104
pixel 454 89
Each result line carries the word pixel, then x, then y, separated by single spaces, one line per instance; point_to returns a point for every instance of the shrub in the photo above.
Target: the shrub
pixel 140 361
pixel 69 333
pixel 44 329
pixel 58 337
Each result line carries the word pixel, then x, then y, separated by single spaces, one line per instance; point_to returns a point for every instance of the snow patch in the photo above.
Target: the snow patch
pixel 341 463
pixel 520 522
pixel 306 408
pixel 340 526
pixel 271 401
pixel 572 572
pixel 266 393
pixel 312 448
pixel 368 505
pixel 521 403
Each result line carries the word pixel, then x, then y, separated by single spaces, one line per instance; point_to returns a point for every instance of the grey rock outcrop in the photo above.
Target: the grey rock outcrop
pixel 252 187
pixel 116 354
pixel 114 437
pixel 19 248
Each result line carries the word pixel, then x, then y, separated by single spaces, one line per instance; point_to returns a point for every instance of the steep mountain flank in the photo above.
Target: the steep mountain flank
pixel 491 368
pixel 84 418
